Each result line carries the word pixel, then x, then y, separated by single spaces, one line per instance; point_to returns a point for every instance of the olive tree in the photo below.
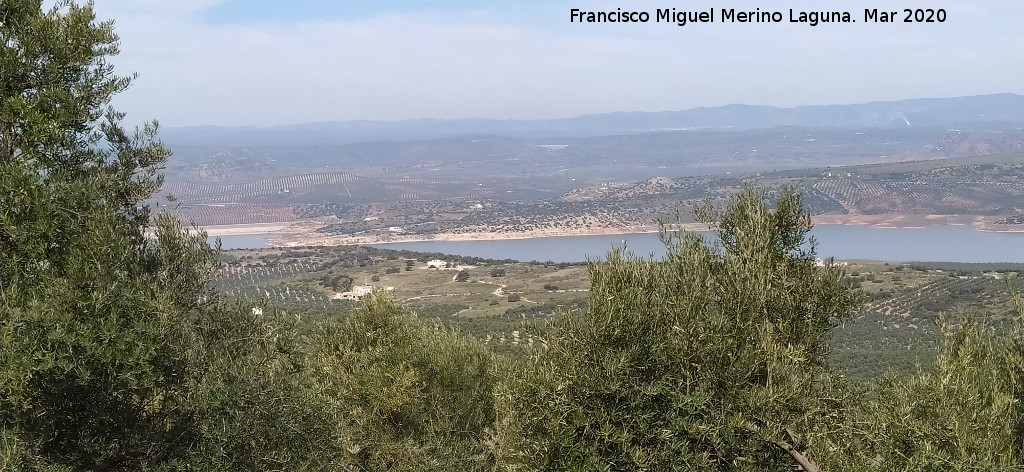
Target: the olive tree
pixel 114 354
pixel 405 394
pixel 964 410
pixel 712 359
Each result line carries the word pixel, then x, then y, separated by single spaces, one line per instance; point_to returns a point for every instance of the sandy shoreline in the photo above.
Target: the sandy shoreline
pixel 325 240
pixel 896 220
pixel 303 233
pixel 246 229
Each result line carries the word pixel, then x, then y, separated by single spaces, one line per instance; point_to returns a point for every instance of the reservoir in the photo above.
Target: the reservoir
pixel 242 241
pixel 929 244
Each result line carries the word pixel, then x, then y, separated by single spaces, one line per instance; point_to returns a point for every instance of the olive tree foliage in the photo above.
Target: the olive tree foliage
pixel 964 411
pixel 114 354
pixel 712 359
pixel 63 153
pixel 405 394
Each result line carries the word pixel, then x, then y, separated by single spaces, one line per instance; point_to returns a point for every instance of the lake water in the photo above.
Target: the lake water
pixel 243 241
pixel 931 244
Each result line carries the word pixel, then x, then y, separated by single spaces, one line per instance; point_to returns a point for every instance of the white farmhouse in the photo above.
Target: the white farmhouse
pixel 362 290
pixel 357 292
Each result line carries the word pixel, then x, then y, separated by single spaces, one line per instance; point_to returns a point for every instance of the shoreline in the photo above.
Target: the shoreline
pixel 507 236
pixel 244 229
pixel 304 239
pixel 302 233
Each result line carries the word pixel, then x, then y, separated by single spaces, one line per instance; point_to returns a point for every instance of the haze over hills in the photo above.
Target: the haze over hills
pixel 923 112
pixel 427 178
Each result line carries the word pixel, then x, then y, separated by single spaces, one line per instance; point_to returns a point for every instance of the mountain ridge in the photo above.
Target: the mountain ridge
pixel 1003 107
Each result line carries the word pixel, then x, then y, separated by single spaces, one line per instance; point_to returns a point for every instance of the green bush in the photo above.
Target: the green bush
pixel 404 394
pixel 965 411
pixel 704 361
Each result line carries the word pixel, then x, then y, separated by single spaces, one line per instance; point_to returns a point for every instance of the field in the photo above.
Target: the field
pixel 896 327
pixel 507 303
pixel 493 300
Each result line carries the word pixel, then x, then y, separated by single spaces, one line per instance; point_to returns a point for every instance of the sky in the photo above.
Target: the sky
pixel 266 63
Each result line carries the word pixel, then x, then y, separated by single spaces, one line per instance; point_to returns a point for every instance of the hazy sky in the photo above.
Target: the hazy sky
pixel 282 62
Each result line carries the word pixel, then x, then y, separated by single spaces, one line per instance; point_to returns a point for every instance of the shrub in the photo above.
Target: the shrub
pixel 404 394
pixel 703 361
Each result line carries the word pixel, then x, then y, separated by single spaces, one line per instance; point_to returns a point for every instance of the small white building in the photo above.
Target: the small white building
pixel 436 264
pixel 821 262
pixel 357 292
pixel 362 290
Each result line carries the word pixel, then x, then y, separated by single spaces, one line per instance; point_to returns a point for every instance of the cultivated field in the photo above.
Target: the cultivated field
pixel 507 303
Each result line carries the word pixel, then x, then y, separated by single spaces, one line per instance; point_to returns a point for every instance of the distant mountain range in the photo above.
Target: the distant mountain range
pixel 928 112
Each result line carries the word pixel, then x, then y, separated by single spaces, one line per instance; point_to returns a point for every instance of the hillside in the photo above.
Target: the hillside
pixel 984 191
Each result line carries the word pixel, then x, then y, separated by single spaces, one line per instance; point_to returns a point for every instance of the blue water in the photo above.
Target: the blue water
pixel 242 241
pixel 931 244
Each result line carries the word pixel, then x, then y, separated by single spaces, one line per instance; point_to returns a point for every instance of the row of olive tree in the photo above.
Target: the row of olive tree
pixel 116 355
